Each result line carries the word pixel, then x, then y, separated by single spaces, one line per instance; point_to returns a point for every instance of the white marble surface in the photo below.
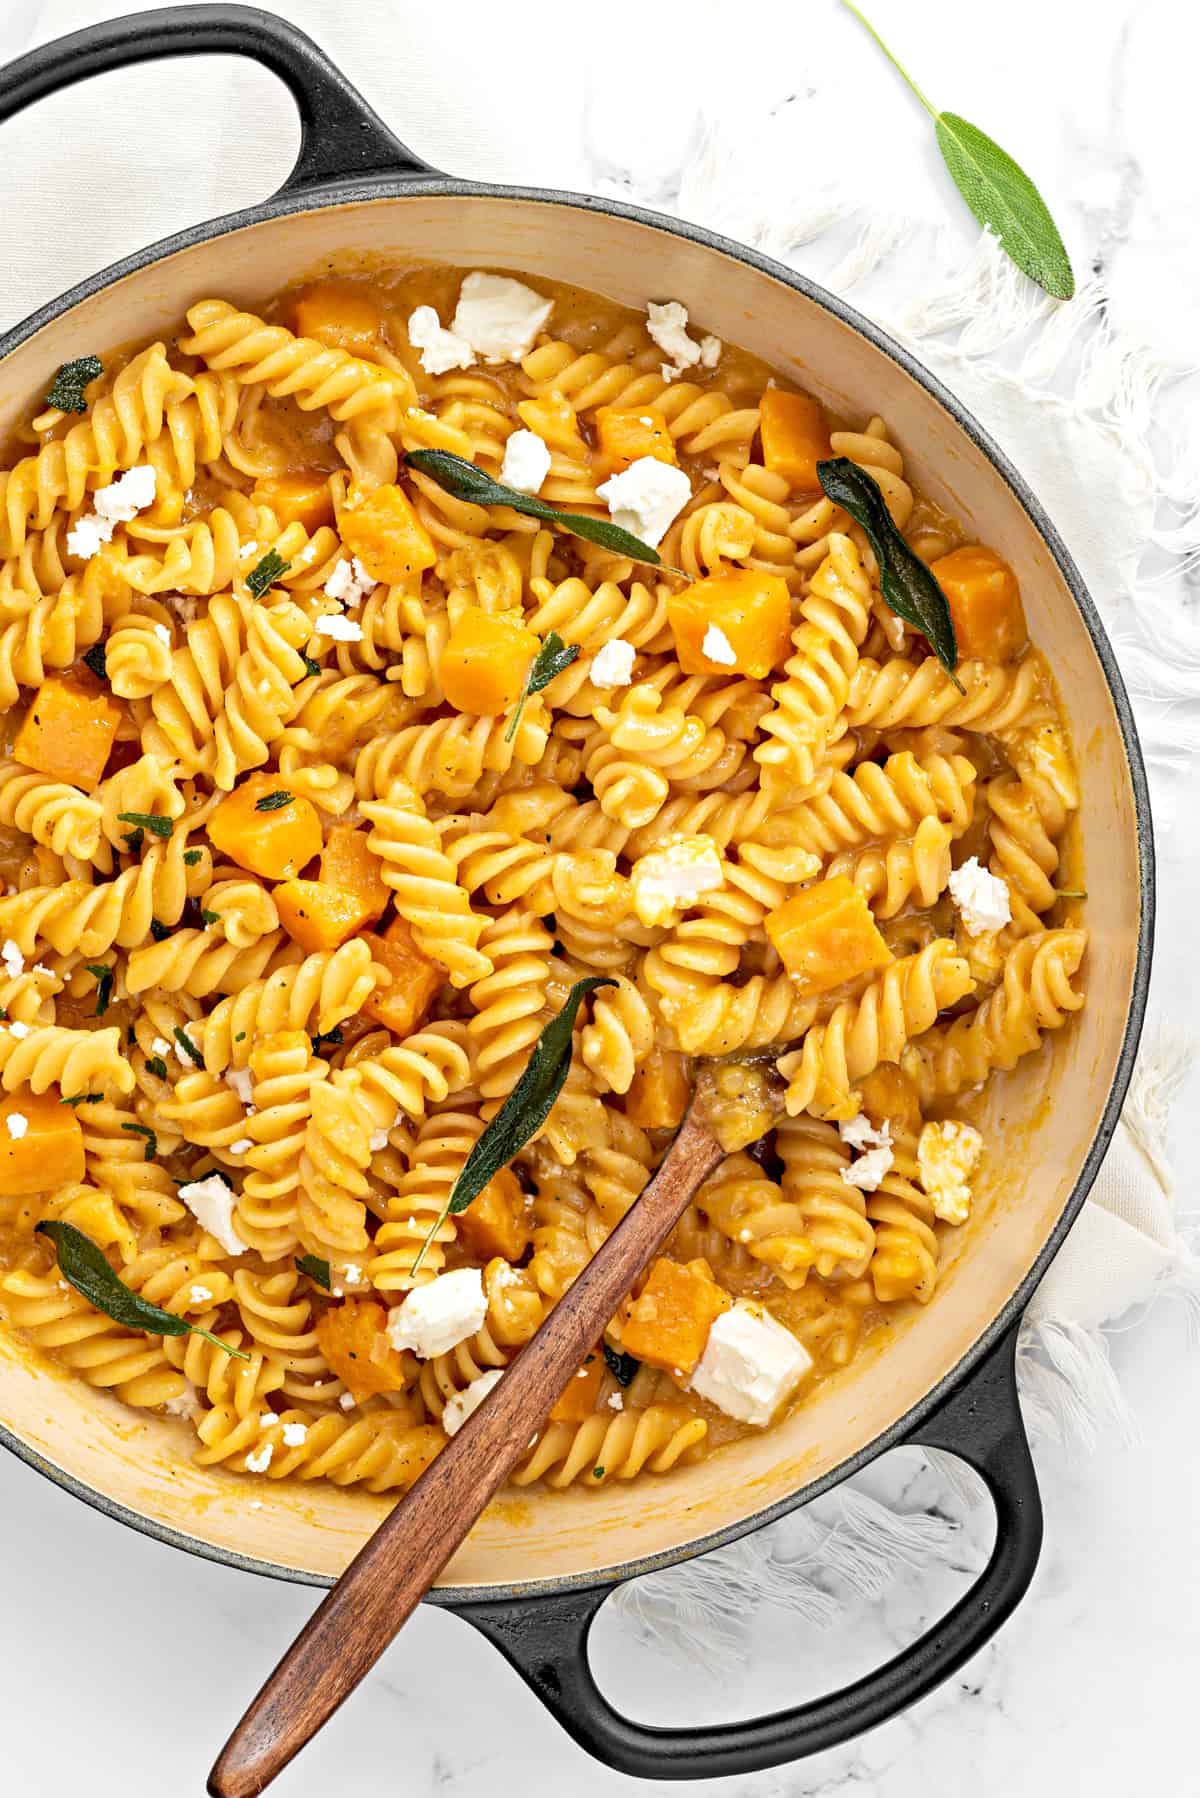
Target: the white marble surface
pixel 124 1662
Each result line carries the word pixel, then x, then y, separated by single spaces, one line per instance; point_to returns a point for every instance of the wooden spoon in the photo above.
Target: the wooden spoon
pixel 389 1576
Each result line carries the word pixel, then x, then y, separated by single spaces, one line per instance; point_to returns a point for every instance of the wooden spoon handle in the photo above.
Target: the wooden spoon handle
pixel 388 1578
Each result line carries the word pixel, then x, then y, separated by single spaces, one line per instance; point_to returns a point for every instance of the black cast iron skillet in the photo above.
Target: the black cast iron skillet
pixel 347 152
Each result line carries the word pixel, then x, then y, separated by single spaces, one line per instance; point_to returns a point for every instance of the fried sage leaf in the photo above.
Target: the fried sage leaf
pixel 81 1263
pixel 551 659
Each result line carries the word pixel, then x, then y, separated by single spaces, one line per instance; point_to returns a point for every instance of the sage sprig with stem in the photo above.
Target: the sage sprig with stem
pixel 524 1111
pixel 997 189
pixel 551 659
pixel 82 1265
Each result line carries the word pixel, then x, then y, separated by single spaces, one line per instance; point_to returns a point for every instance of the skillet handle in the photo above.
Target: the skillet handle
pixel 340 135
pixel 545 1639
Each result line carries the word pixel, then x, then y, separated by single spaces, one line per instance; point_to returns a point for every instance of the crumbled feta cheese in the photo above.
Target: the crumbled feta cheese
pixel 10 955
pixel 861 1133
pixel 667 325
pixel 378 1140
pixel 441 350
pixel 200 1295
pixel 646 498
pixel 675 876
pixel 867 1171
pixel 437 1317
pixel 242 1082
pixel 163 633
pixel 526 462
pixel 717 647
pixel 981 897
pixel 750 1364
pixel 160 1046
pixel 18 1029
pixel 349 581
pixel 347 1401
pixel 947 1155
pixel 710 351
pixel 499 317
pixel 187 1403
pixel 353 1275
pixel 612 665
pixel 18 1124
pixel 260 1459
pixel 339 627
pixel 464 1404
pixel 295 1435
pixel 615 1402
pixel 115 504
pixel 248 549
pixel 210 1202
pixel 255 1504
pixel 242 1146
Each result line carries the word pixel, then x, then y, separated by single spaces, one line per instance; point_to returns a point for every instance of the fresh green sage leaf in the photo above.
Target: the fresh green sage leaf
pixel 524 1111
pixel 273 802
pixel 465 481
pixel 154 822
pixel 997 189
pixel 97 660
pixel 82 1265
pixel 66 390
pixel 908 586
pixel 551 659
pixel 621 1366
pixel 188 1046
pixel 151 1138
pixel 317 1270
pixel 104 985
pixel 266 572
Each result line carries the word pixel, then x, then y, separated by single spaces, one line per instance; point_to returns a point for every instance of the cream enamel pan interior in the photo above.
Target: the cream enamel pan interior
pixel 1042 1123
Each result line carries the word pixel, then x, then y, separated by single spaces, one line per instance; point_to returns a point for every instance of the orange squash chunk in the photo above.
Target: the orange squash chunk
pixel 275 842
pixel 353 1338
pixel 753 612
pixel 68 732
pixel 667 1324
pixel 985 602
pixel 495 1222
pixel 318 916
pixel 795 437
pixel 416 980
pixel 348 865
pixel 577 1401
pixel 387 536
pixel 659 1091
pixel 624 436
pixel 50 1154
pixel 339 314
pixel 486 662
pixel 302 498
pixel 825 935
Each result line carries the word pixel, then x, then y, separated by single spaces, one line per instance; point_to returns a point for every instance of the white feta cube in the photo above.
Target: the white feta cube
pixel 210 1202
pixel 867 1171
pixel 464 1404
pixel 349 582
pixel 526 462
pixel 295 1435
pixel 646 498
pixel 441 350
pixel 339 627
pixel 499 317
pixel 10 955
pixel 981 897
pixel 751 1365
pixel 260 1458
pixel 612 665
pixel 435 1318
pixel 669 879
pixel 667 326
pixel 947 1155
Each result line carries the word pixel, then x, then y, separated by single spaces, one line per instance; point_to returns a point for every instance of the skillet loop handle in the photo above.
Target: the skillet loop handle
pixel 545 1639
pixel 341 136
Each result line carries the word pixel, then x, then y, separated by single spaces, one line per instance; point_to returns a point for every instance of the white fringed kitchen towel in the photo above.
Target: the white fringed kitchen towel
pixel 822 161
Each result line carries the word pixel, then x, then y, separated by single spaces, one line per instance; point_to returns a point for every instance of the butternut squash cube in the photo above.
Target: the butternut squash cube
pixel 659 1091
pixel 623 436
pixel 340 314
pixel 825 935
pixel 751 611
pixel 348 865
pixel 265 828
pixel 387 536
pixel 985 602
pixel 795 437
pixel 416 980
pixel 353 1338
pixel 486 662
pixel 667 1324
pixel 318 916
pixel 495 1222
pixel 68 732
pixel 302 498
pixel 577 1400
pixel 49 1152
